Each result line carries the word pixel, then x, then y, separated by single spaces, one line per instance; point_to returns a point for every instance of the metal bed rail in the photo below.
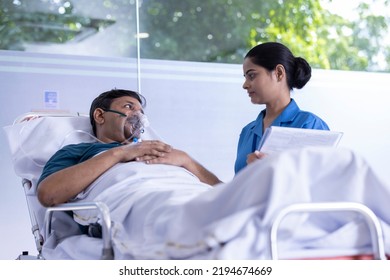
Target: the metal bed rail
pixel 107 252
pixel 34 222
pixel 370 218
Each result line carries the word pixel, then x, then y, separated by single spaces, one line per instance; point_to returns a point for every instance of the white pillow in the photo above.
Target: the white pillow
pixel 34 141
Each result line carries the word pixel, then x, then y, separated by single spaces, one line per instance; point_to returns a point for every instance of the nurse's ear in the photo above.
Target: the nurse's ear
pixel 280 72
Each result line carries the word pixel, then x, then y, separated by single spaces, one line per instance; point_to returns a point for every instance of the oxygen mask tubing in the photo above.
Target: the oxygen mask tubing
pixel 136 123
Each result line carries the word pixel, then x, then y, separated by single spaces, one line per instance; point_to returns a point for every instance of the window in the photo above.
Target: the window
pixel 206 31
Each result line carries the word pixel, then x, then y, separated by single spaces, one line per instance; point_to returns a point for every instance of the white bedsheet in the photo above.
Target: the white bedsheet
pixel 164 212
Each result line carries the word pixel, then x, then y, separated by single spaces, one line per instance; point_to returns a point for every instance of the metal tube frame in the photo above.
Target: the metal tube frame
pixel 107 253
pixel 370 218
pixel 34 224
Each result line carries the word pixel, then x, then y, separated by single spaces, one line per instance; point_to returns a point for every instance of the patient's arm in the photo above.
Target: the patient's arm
pixel 182 159
pixel 65 184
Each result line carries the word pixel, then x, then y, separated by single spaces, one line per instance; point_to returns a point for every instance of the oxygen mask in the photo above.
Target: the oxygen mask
pixel 136 123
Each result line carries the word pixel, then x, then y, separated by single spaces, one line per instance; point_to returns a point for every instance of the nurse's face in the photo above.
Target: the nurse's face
pixel 260 83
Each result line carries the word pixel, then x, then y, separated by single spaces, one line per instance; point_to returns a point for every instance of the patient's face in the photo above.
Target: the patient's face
pixel 115 126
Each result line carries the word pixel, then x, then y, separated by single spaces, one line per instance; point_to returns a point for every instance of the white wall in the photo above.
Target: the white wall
pixel 24 77
pixel 198 107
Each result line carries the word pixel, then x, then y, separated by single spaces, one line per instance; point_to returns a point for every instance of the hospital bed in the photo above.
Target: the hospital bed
pixel 29 161
pixel 35 136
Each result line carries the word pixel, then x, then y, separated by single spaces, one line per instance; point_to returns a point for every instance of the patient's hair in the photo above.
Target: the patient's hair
pixel 270 54
pixel 105 99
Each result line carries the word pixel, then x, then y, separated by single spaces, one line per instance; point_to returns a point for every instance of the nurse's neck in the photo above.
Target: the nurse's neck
pixel 272 111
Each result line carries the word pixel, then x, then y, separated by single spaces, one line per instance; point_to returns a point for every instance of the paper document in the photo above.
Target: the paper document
pixel 277 139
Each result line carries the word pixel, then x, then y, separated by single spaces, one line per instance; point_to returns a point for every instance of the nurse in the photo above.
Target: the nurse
pixel 271 72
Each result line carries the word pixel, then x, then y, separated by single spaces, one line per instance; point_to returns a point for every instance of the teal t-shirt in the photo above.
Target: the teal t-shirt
pixel 73 154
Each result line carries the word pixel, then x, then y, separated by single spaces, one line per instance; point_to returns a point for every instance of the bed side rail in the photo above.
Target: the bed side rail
pixel 370 218
pixel 107 253
pixel 34 223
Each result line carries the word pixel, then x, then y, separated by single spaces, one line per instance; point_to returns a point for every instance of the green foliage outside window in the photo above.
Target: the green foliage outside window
pixel 208 30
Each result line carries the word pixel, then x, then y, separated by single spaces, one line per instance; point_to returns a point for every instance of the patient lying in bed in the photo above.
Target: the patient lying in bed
pixel 163 205
pixel 112 116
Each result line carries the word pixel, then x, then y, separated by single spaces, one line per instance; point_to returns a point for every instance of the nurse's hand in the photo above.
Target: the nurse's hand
pixel 255 156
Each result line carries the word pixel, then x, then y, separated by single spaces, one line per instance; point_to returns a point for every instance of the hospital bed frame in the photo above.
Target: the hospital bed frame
pixel 104 214
pixel 374 227
pixel 377 239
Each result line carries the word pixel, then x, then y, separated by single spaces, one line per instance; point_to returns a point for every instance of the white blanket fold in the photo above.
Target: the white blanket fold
pixel 164 212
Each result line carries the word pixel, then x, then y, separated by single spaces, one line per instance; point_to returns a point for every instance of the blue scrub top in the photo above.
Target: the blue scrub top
pixel 252 133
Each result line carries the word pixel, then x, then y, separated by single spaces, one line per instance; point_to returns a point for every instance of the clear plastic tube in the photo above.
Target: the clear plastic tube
pixel 136 123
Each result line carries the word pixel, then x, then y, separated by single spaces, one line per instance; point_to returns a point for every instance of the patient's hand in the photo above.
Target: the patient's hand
pixel 173 157
pixel 145 150
pixel 255 156
pixel 182 159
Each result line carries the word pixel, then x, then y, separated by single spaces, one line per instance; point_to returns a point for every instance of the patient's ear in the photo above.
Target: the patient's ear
pixel 98 115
